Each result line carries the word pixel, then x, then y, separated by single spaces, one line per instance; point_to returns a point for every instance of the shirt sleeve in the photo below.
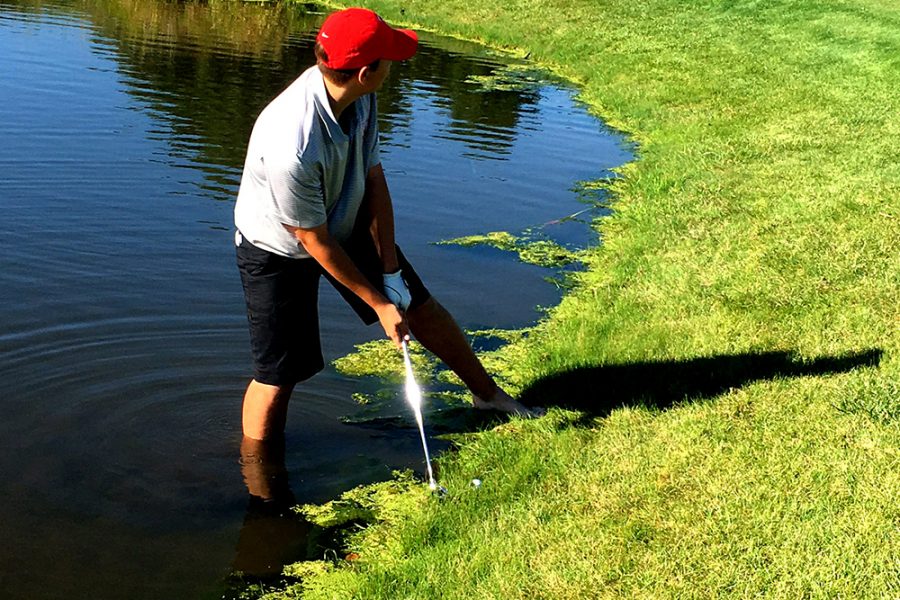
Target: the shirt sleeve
pixel 297 190
pixel 370 142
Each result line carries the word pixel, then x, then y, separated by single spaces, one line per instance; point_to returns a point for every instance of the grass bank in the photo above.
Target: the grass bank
pixel 732 353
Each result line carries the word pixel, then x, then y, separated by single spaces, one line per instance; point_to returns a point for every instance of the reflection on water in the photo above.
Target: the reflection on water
pixel 272 534
pixel 123 350
pixel 243 54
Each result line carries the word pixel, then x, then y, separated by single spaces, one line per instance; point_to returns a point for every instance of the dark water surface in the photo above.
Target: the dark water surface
pixel 123 344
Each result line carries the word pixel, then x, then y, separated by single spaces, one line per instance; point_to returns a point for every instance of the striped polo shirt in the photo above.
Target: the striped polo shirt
pixel 302 169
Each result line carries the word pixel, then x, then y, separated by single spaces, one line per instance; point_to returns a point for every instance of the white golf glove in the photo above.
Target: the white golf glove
pixel 396 291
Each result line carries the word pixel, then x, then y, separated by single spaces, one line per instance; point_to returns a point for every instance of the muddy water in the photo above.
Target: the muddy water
pixel 123 345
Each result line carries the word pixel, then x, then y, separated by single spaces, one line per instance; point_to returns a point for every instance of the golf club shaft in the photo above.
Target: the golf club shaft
pixel 427 457
pixel 417 408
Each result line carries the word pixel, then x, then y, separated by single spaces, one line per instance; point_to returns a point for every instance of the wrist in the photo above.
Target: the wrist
pixel 389 261
pixel 382 303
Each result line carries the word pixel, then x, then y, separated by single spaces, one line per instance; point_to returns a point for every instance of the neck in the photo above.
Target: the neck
pixel 339 97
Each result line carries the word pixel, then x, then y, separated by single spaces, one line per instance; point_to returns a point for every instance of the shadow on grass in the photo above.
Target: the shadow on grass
pixel 599 390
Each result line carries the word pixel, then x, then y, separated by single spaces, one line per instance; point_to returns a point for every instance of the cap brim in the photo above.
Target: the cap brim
pixel 404 43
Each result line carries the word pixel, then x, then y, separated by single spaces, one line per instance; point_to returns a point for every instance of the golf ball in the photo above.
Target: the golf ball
pixel 476 483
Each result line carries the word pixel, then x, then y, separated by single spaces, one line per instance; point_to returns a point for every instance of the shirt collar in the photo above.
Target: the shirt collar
pixel 323 106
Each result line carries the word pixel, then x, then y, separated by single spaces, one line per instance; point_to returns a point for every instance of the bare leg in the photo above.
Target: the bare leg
pixel 435 328
pixel 262 465
pixel 265 410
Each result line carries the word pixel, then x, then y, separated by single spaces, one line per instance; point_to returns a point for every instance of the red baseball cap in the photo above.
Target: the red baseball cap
pixel 356 37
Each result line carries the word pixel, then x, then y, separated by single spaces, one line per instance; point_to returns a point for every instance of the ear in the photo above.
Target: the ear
pixel 363 74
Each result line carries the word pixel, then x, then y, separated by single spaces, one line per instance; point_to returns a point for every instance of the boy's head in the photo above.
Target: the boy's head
pixel 356 37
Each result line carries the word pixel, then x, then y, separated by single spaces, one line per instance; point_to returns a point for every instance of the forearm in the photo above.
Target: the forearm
pixel 329 254
pixel 381 214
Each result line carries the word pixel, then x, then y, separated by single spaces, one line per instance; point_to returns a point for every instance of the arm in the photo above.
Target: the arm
pixel 328 253
pixel 381 218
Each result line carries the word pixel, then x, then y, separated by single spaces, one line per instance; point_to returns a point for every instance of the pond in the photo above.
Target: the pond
pixel 123 348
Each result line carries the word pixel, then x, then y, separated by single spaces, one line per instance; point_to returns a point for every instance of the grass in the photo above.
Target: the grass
pixel 726 368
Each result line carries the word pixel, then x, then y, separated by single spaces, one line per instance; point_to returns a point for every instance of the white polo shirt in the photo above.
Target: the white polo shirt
pixel 302 169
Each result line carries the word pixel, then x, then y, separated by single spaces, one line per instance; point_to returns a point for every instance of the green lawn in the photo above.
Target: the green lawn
pixel 731 357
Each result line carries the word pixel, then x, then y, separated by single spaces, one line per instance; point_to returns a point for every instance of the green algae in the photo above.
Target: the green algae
pixel 380 501
pixel 345 517
pixel 361 398
pixel 540 252
pixel 380 358
pixel 444 394
pixel 510 78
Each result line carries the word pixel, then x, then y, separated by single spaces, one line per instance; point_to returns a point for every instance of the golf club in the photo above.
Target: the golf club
pixel 414 397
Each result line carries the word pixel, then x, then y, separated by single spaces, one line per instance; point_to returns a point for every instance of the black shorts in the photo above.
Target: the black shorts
pixel 282 306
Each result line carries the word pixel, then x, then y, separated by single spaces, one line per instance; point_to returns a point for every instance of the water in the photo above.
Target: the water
pixel 123 344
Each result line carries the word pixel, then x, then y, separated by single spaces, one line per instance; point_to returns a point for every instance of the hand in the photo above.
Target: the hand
pixel 393 322
pixel 396 291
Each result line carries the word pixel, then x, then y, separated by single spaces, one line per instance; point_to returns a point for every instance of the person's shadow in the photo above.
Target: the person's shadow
pixel 598 390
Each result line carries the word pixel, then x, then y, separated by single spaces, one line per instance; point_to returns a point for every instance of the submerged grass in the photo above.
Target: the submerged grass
pixel 732 350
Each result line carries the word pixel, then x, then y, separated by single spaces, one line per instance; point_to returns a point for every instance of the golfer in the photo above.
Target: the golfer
pixel 314 201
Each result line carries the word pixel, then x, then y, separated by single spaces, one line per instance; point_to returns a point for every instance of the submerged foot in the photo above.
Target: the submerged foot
pixel 503 402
